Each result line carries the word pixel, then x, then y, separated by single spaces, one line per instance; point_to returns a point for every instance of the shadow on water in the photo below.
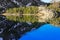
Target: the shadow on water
pixel 14 29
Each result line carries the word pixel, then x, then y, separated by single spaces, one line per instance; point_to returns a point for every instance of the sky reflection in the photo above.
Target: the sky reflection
pixel 46 32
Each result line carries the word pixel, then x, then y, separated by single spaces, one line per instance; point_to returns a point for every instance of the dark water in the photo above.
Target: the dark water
pixel 10 29
pixel 45 32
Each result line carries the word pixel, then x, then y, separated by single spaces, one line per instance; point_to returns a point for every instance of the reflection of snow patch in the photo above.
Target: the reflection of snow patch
pixel 1 30
pixel 33 29
pixel 1 38
pixel 15 2
pixel 29 23
pixel 28 4
pixel 17 25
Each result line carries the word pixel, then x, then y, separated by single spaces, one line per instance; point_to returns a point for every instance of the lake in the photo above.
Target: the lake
pixel 45 32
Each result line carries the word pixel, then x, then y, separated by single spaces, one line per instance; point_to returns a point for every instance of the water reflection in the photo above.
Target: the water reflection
pixel 1 38
pixel 45 32
pixel 14 29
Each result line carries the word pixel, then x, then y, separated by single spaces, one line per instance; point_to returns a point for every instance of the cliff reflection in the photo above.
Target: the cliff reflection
pixel 10 29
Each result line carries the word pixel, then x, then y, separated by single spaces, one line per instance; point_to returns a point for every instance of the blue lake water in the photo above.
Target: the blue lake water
pixel 45 32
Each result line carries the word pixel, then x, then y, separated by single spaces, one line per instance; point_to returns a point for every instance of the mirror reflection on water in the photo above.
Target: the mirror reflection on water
pixel 10 29
pixel 45 32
